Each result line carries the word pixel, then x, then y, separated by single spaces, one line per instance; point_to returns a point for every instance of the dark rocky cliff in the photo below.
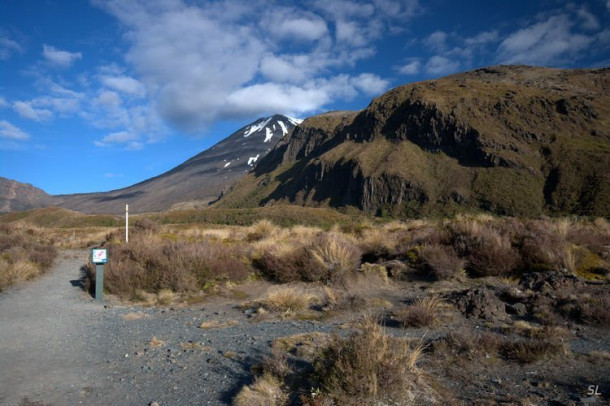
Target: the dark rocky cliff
pixel 513 140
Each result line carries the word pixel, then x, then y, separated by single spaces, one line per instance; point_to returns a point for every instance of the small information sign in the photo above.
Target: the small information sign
pixel 99 256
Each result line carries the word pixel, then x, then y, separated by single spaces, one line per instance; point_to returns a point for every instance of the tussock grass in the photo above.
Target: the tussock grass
pixel 288 300
pixel 22 256
pixel 265 391
pixel 368 367
pixel 424 312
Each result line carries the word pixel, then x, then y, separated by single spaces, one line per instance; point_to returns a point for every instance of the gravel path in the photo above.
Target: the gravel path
pixel 60 347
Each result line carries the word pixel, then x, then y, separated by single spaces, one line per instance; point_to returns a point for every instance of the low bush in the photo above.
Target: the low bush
pixel 487 251
pixel 466 343
pixel 151 264
pixel 329 258
pixel 541 249
pixel 532 350
pixel 441 262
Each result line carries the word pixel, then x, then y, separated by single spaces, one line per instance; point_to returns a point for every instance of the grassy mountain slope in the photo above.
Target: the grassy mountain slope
pixel 512 140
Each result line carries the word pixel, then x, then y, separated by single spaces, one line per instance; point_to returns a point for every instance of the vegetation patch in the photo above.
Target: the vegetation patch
pixel 368 367
pixel 22 256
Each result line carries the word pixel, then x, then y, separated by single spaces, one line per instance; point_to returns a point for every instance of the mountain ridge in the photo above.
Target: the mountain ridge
pixel 512 140
pixel 195 182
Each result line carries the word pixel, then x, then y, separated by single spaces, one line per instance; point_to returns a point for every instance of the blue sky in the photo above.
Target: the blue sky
pixel 98 95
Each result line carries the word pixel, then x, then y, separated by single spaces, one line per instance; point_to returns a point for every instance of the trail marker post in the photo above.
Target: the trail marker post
pixel 99 257
pixel 126 223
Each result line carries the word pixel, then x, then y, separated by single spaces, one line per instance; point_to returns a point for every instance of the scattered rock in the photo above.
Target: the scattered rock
pixel 547 282
pixel 518 309
pixel 479 302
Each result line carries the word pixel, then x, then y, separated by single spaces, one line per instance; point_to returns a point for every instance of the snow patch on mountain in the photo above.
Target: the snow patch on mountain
pixel 256 127
pixel 253 159
pixel 284 129
pixel 227 164
pixel 294 121
pixel 268 135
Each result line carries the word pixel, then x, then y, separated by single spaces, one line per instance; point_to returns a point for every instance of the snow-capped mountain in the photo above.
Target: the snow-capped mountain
pixel 267 130
pixel 201 179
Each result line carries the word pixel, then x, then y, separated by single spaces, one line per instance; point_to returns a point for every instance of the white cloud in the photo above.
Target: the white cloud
pixel 62 105
pixel 589 21
pixel 3 102
pixel 129 140
pixel 8 130
pixel 124 84
pixel 437 41
pixel 108 99
pixel 440 65
pixel 8 47
pixel 305 28
pixel 411 68
pixel 274 97
pixel 201 61
pixel 346 8
pixel 399 9
pixel 59 58
pixel 26 110
pixel 370 84
pixel 482 38
pixel 546 42
pixel 287 68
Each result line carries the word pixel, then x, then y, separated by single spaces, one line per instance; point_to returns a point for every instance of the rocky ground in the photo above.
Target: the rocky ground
pixel 60 347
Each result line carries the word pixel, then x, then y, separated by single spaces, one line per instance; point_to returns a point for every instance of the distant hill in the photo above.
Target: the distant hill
pixel 16 196
pixel 196 182
pixel 512 140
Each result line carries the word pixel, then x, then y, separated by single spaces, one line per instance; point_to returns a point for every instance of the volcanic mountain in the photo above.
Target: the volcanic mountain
pixel 512 140
pixel 196 182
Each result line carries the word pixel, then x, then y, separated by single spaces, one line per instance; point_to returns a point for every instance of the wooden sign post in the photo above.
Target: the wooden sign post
pixel 99 257
pixel 126 223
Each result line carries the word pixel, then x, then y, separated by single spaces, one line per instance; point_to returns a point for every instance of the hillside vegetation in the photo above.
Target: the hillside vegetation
pixel 511 140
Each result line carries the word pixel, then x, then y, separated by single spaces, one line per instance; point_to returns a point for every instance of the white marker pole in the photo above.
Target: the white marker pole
pixel 126 223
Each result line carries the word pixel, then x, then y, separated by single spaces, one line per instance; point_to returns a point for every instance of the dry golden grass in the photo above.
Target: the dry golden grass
pixel 213 324
pixel 265 391
pixel 370 367
pixel 155 342
pixel 24 254
pixel 424 312
pixel 367 368
pixel 165 297
pixel 305 345
pixel 288 300
pixel 17 272
pixel 600 356
pixel 134 316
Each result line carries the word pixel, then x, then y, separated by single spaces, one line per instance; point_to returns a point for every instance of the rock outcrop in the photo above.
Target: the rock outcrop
pixel 512 140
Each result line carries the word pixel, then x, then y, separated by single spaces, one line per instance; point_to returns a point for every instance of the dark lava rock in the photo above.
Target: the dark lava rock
pixel 479 302
pixel 545 282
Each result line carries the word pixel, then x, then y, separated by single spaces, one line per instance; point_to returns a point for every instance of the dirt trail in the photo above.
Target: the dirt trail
pixel 60 347
pixel 44 343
